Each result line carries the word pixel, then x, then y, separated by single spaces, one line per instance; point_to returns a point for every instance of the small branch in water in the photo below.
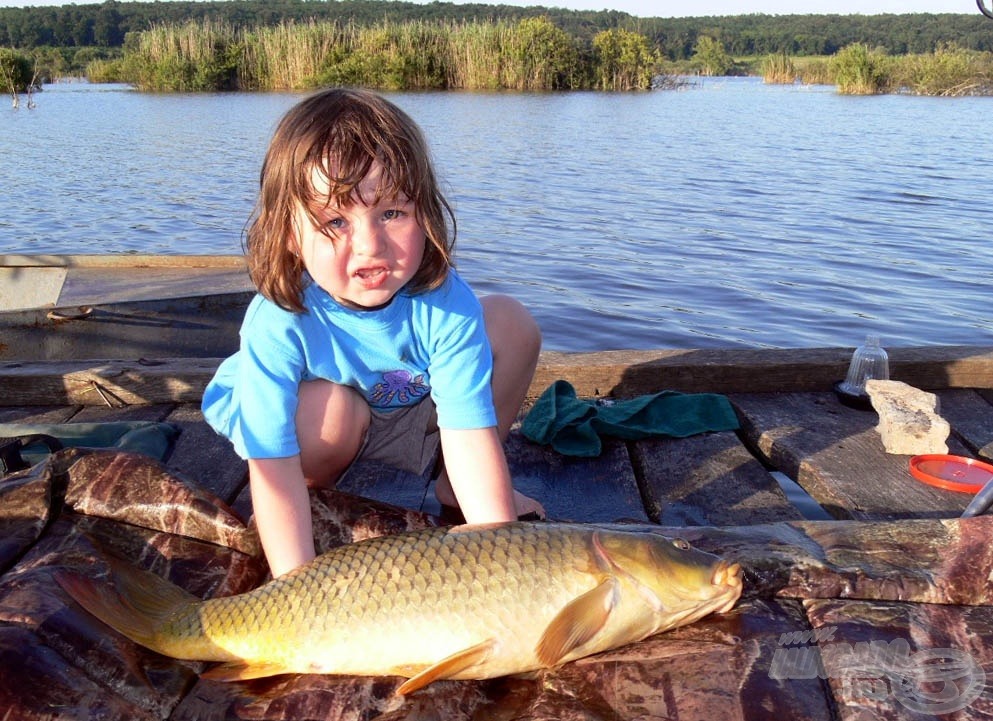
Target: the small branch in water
pixel 32 86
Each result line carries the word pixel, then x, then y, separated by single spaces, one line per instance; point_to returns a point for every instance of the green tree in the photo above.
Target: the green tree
pixel 107 25
pixel 623 60
pixel 15 73
pixel 546 54
pixel 710 57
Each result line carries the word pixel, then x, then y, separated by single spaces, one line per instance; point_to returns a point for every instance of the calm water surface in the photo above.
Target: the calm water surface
pixel 728 214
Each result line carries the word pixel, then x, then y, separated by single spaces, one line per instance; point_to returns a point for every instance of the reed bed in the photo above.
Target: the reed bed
pixel 857 70
pixel 192 56
pixel 949 71
pixel 779 69
pixel 531 54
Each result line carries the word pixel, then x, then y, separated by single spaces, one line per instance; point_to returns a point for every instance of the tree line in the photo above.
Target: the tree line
pixel 107 25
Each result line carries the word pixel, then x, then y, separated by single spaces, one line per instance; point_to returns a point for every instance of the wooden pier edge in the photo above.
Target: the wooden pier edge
pixel 620 374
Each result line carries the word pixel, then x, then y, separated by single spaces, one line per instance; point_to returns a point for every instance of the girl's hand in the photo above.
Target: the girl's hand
pixel 477 471
pixel 527 506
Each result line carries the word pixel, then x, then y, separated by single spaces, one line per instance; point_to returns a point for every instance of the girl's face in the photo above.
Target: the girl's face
pixel 369 252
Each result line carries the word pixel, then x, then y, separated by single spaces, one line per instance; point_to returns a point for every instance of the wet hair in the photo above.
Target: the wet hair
pixel 340 133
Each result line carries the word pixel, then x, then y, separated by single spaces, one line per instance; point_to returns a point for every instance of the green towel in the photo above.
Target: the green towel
pixel 148 437
pixel 573 426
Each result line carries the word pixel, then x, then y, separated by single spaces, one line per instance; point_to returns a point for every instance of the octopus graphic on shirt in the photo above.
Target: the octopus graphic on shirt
pixel 401 385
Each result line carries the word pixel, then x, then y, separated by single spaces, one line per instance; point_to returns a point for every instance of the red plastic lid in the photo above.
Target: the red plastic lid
pixel 953 473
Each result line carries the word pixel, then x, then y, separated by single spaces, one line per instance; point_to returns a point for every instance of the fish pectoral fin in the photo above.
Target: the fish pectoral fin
pixel 448 667
pixel 577 623
pixel 242 671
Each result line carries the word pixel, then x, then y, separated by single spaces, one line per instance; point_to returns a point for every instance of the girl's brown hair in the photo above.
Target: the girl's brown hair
pixel 340 133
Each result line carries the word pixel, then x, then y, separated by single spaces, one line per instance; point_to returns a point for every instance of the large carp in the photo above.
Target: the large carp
pixel 467 603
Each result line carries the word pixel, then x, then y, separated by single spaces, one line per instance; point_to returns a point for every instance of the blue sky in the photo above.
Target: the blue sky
pixel 677 8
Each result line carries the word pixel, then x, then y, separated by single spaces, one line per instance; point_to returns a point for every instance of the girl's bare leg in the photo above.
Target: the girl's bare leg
pixel 332 421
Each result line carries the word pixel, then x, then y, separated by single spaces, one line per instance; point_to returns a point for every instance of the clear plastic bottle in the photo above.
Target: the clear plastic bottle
pixel 869 361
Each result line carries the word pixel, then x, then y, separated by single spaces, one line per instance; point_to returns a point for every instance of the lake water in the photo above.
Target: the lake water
pixel 728 214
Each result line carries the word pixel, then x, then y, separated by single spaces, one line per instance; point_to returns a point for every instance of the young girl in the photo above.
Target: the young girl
pixel 363 340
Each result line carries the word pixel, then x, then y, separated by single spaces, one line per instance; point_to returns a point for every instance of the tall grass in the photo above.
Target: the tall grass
pixel 196 55
pixel 949 71
pixel 859 70
pixel 287 56
pixel 779 69
pixel 532 54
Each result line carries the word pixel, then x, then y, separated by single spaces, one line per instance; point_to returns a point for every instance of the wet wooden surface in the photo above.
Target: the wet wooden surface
pixel 715 487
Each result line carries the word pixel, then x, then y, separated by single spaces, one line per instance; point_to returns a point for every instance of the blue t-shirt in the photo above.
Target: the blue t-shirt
pixel 428 343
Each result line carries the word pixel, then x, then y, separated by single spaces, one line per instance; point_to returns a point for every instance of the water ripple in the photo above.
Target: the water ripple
pixel 731 214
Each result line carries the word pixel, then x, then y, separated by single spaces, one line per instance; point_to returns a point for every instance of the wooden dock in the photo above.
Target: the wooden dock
pixel 791 424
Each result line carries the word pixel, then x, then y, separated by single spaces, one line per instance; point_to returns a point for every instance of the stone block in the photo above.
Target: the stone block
pixel 909 422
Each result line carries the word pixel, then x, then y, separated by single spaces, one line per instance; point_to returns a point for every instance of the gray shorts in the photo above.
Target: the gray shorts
pixel 406 438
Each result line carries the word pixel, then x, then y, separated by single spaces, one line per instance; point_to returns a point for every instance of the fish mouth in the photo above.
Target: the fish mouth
pixel 727 577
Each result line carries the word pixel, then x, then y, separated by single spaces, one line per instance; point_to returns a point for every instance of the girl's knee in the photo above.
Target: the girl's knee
pixel 331 422
pixel 510 324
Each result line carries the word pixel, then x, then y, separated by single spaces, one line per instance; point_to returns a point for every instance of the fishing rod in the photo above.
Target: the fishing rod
pixel 984 10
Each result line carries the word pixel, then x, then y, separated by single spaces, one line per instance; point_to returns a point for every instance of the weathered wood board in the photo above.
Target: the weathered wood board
pixel 707 480
pixel 621 374
pixel 836 455
pixel 971 416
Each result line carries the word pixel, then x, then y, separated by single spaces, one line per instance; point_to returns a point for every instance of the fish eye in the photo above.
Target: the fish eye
pixel 680 544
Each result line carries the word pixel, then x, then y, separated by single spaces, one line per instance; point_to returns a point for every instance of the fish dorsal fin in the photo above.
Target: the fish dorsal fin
pixel 448 667
pixel 242 671
pixel 577 623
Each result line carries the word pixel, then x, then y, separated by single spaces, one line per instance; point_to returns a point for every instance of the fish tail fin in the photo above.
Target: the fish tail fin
pixel 137 608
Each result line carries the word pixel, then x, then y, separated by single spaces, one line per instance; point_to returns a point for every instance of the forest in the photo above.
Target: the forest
pixel 107 25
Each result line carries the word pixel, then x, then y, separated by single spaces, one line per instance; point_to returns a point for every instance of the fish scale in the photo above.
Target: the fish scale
pixel 474 602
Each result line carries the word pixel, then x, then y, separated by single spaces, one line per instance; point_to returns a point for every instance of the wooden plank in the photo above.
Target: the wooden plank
pixel 386 484
pixel 121 260
pixel 971 416
pixel 203 455
pixel 97 414
pixel 30 287
pixel 37 414
pixel 632 373
pixel 616 373
pixel 835 454
pixel 707 480
pixel 105 286
pixel 600 489
pixel 590 490
pixel 112 382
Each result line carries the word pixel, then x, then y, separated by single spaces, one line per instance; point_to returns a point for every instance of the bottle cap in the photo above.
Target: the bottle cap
pixel 952 473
